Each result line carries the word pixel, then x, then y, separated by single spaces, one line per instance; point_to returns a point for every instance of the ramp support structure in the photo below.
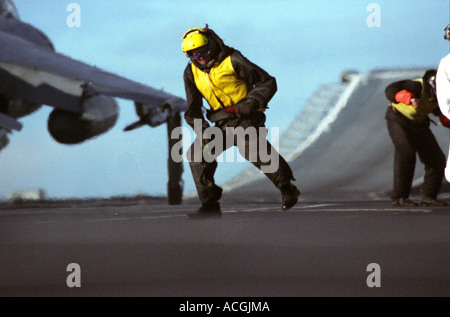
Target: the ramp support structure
pixel 175 184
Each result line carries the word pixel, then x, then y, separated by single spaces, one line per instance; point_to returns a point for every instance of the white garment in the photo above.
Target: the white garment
pixel 443 86
pixel 443 97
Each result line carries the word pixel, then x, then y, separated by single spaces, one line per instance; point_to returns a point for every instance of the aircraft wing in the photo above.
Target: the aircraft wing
pixel 32 73
pixel 38 74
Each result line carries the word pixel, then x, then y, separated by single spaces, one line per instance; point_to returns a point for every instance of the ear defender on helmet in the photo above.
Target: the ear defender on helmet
pixel 193 39
pixel 432 82
pixel 429 79
pixel 447 33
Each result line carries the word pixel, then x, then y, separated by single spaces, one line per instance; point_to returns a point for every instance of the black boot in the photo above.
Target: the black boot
pixel 208 210
pixel 403 202
pixel 429 201
pixel 289 194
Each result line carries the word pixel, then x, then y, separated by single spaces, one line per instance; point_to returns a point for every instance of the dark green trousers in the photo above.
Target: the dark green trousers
pixel 411 139
pixel 249 135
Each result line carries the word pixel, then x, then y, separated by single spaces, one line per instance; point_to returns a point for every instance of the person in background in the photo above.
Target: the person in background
pixel 409 128
pixel 443 92
pixel 238 93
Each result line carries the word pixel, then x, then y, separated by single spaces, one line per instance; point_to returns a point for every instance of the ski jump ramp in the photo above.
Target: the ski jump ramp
pixel 338 145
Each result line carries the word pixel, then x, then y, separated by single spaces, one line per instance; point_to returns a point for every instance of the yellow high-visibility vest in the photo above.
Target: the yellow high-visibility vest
pixel 221 87
pixel 427 105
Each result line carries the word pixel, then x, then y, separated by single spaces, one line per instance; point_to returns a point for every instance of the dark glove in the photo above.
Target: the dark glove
pixel 245 107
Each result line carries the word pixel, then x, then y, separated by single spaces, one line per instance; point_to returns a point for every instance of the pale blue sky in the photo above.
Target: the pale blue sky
pixel 302 43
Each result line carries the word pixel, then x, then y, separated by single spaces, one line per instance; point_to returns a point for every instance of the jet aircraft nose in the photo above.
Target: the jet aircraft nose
pixel 8 9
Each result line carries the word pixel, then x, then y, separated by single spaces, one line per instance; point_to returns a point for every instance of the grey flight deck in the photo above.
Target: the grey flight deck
pixel 322 247
pixel 151 249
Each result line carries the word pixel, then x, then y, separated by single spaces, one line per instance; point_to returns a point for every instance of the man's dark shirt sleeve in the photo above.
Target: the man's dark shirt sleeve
pixel 194 100
pixel 261 85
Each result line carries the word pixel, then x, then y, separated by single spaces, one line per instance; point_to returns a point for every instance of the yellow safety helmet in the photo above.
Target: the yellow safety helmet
pixel 193 39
